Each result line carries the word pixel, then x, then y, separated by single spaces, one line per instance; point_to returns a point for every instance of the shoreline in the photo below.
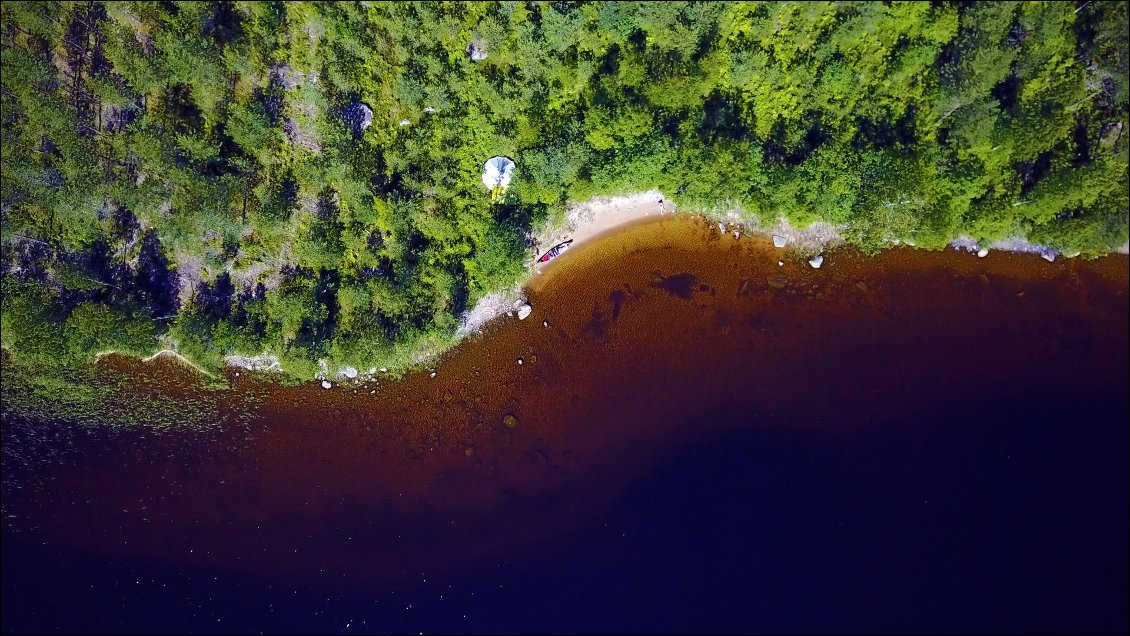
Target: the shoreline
pixel 596 219
pixel 600 216
pixel 162 353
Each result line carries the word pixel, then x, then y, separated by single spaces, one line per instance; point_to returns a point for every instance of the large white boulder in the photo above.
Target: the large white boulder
pixel 524 312
pixel 779 241
pixel 816 261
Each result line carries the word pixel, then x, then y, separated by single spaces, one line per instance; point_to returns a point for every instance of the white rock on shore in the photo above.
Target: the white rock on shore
pixel 780 241
pixel 524 311
pixel 490 307
pixel 255 363
pixel 816 261
pixel 326 384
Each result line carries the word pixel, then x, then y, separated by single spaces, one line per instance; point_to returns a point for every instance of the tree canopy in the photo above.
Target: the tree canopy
pixel 305 178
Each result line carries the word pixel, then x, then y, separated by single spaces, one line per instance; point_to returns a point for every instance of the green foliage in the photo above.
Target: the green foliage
pixel 151 149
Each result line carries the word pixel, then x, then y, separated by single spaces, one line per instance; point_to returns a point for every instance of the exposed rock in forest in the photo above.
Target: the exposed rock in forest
pixel 477 49
pixel 1111 133
pixel 358 116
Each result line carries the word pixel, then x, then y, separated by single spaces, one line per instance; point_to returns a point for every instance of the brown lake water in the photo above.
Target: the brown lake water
pixel 890 380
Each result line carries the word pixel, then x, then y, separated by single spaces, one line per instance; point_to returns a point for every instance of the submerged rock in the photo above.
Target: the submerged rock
pixel 816 261
pixel 510 420
pixel 777 281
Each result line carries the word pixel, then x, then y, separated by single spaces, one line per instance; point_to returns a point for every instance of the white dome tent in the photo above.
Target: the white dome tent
pixel 497 172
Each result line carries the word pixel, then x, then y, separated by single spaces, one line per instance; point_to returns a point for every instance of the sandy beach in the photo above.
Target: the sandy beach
pixel 583 222
pixel 587 220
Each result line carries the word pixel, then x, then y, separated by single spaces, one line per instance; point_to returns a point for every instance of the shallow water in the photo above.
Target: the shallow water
pixel 700 439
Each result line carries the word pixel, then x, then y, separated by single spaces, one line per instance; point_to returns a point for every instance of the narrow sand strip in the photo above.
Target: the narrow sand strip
pixel 585 221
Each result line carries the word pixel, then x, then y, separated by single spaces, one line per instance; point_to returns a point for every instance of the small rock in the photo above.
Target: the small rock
pixel 1110 134
pixel 429 110
pixel 1048 256
pixel 779 241
pixel 721 228
pixel 983 252
pixel 470 450
pixel 358 116
pixel 384 369
pixel 737 234
pixel 350 372
pixel 237 374
pixel 780 263
pixel 477 49
pixel 816 261
pixel 510 420
pixel 545 323
pixel 433 374
pixel 524 312
pixel 326 384
pixel 404 122
pixel 519 362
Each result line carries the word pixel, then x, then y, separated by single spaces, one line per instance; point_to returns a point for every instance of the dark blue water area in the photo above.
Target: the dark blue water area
pixel 1009 516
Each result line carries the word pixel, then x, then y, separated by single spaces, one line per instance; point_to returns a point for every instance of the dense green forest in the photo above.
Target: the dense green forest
pixel 303 179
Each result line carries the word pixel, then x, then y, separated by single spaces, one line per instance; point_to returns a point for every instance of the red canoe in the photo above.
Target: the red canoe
pixel 554 251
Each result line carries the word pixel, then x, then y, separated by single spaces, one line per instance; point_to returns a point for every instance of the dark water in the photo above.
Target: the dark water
pixel 705 441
